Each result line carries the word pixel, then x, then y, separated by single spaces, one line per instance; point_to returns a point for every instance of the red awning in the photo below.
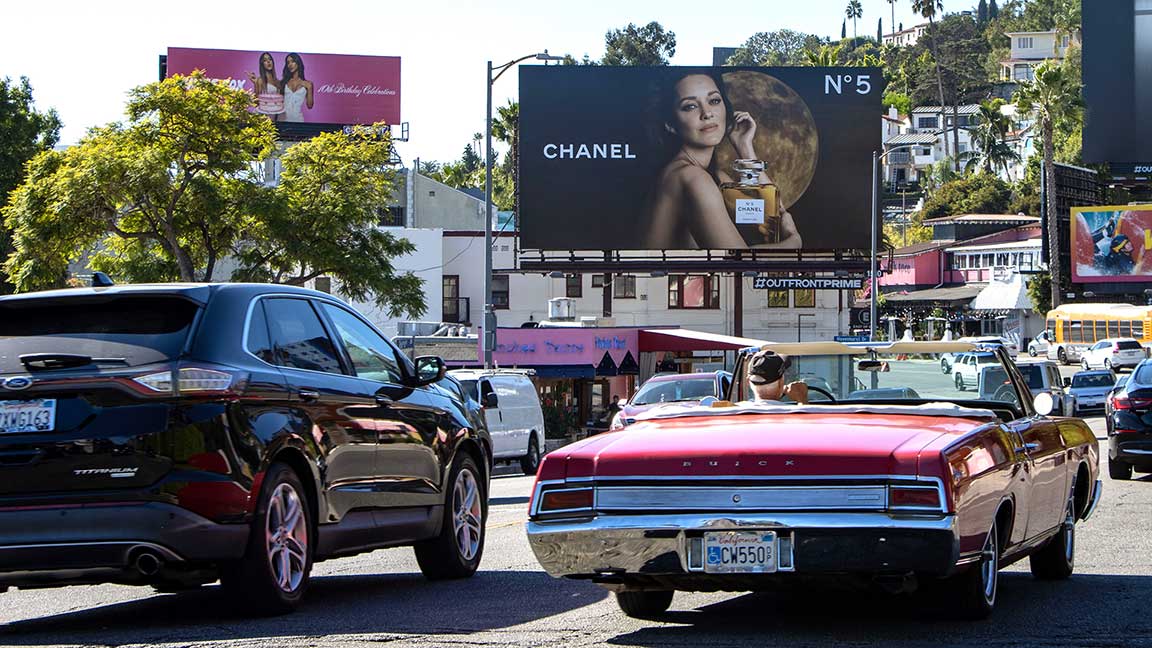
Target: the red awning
pixel 689 340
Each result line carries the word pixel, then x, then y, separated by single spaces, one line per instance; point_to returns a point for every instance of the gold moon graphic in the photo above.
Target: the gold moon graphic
pixel 786 137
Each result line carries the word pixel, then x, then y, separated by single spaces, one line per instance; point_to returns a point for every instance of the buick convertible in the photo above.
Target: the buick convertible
pixel 889 477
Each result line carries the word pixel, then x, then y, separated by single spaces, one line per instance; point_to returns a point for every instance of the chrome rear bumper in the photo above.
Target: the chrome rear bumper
pixel 610 547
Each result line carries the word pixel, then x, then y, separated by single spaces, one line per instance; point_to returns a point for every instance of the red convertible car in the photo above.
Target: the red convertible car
pixel 888 477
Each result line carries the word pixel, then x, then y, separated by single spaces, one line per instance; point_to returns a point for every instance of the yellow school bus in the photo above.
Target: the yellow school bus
pixel 1075 327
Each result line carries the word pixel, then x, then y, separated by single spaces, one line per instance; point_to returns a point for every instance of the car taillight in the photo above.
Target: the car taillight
pixel 914 497
pixel 566 500
pixel 1121 402
pixel 187 380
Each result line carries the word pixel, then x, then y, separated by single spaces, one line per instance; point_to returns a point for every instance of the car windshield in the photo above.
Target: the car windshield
pixel 671 391
pixel 903 378
pixel 1093 380
pixel 1033 374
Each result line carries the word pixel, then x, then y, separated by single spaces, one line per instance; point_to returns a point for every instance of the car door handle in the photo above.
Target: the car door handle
pixel 384 401
pixel 308 395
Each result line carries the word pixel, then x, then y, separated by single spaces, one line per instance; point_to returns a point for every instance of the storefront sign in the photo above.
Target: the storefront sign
pixel 812 283
pixel 564 346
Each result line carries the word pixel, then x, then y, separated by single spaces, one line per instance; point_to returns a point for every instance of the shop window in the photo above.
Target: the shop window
pixel 777 299
pixel 573 285
pixel 694 291
pixel 597 281
pixel 500 292
pixel 804 298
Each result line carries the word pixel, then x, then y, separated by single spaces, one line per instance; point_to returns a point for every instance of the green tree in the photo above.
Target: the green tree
pixel 977 193
pixel 853 11
pixel 24 132
pixel 991 151
pixel 1040 291
pixel 166 187
pixel 892 5
pixel 632 45
pixel 928 9
pixel 982 13
pixel 843 29
pixel 322 219
pixel 879 30
pixel 1053 96
pixel 780 47
pixel 470 160
pixel 900 101
pixel 993 10
pixel 824 56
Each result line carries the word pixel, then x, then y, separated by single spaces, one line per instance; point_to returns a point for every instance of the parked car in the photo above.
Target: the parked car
pixel 1043 376
pixel 1129 429
pixel 753 495
pixel 512 412
pixel 168 435
pixel 1088 389
pixel 1113 354
pixel 672 388
pixel 947 360
pixel 1038 346
pixel 1110 398
pixel 966 370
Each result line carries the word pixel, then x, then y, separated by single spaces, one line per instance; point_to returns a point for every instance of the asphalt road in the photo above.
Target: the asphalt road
pixel 381 598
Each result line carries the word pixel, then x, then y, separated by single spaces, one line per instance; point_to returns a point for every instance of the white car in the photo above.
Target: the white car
pixel 512 412
pixel 1039 344
pixel 1114 354
pixel 949 359
pixel 966 369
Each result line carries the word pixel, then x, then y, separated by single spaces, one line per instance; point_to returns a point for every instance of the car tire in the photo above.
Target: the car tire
pixel 959 382
pixel 456 551
pixel 1032 351
pixel 1062 356
pixel 1084 364
pixel 1057 559
pixel 945 367
pixel 530 462
pixel 273 575
pixel 646 604
pixel 1119 469
pixel 973 592
pixel 1108 365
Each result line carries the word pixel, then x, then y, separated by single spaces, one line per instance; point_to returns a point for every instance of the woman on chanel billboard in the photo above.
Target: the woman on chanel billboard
pixel 297 89
pixel 696 205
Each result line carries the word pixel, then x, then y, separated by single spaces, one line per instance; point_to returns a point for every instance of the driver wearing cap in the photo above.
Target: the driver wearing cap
pixel 766 378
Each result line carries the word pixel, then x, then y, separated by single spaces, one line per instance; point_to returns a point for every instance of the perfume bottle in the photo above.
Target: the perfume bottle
pixel 752 204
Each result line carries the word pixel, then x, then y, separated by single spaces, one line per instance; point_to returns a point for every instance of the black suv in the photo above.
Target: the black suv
pixel 174 434
pixel 1130 424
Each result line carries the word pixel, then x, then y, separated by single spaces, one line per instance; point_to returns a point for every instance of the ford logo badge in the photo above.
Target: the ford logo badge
pixel 16 383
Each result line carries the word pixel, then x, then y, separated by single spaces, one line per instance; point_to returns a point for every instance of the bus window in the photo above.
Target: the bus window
pixel 1100 333
pixel 1076 331
pixel 1126 328
pixel 1113 329
pixel 1138 329
pixel 1051 326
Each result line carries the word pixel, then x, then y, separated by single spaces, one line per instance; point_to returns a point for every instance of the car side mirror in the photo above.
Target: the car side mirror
pixel 429 369
pixel 1044 403
pixel 491 400
pixel 1067 382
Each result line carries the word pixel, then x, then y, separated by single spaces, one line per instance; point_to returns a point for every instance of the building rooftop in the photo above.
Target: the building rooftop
pixel 1012 245
pixel 949 294
pixel 966 109
pixel 917 248
pixel 912 138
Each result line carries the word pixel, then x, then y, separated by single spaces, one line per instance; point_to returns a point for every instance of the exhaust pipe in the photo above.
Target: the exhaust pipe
pixel 147 563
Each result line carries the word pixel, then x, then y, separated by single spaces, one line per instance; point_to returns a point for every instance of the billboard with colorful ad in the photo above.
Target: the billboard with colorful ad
pixel 1112 243
pixel 683 158
pixel 301 87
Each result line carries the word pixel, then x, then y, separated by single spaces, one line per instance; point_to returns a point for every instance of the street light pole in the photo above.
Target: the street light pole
pixel 489 309
pixel 874 284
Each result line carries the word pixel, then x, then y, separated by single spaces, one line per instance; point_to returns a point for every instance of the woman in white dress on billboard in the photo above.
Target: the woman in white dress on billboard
pixel 269 98
pixel 298 91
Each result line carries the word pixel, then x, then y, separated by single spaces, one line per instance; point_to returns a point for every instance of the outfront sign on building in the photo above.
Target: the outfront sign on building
pixel 301 87
pixel 680 158
pixel 808 283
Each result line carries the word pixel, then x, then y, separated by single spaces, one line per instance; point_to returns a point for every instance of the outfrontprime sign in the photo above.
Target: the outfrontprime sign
pixel 801 283
pixel 300 87
pixel 683 158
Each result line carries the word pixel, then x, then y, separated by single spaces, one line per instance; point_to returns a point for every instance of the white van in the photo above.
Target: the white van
pixel 512 412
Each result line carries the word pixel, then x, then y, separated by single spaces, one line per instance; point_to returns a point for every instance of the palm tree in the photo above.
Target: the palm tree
pixel 1052 96
pixel 855 10
pixel 892 25
pixel 928 9
pixel 989 137
pixel 826 56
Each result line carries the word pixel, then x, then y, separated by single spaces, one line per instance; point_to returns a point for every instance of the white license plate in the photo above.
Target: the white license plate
pixel 740 552
pixel 27 416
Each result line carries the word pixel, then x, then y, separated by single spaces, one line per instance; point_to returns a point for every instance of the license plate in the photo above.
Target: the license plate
pixel 740 552
pixel 27 416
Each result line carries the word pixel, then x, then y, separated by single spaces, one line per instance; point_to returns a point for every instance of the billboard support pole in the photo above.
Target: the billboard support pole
pixel 874 285
pixel 489 313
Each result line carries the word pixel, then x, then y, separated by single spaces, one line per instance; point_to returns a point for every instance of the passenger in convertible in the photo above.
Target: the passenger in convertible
pixel 766 379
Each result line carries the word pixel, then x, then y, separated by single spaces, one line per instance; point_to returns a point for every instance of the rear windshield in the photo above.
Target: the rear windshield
pixel 1128 345
pixel 672 391
pixel 1034 374
pixel 125 331
pixel 1093 380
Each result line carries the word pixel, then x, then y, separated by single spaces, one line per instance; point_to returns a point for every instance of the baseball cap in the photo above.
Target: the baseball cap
pixel 767 366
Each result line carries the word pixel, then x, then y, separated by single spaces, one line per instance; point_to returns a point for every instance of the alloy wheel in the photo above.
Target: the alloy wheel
pixel 286 534
pixel 466 514
pixel 989 566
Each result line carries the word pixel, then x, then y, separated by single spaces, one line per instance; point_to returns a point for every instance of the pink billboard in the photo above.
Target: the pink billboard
pixel 302 87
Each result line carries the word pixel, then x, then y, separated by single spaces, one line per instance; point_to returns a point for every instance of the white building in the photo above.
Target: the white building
pixel 1030 49
pixel 906 37
pixel 919 143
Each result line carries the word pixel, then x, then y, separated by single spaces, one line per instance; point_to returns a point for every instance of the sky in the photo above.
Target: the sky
pixel 83 56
